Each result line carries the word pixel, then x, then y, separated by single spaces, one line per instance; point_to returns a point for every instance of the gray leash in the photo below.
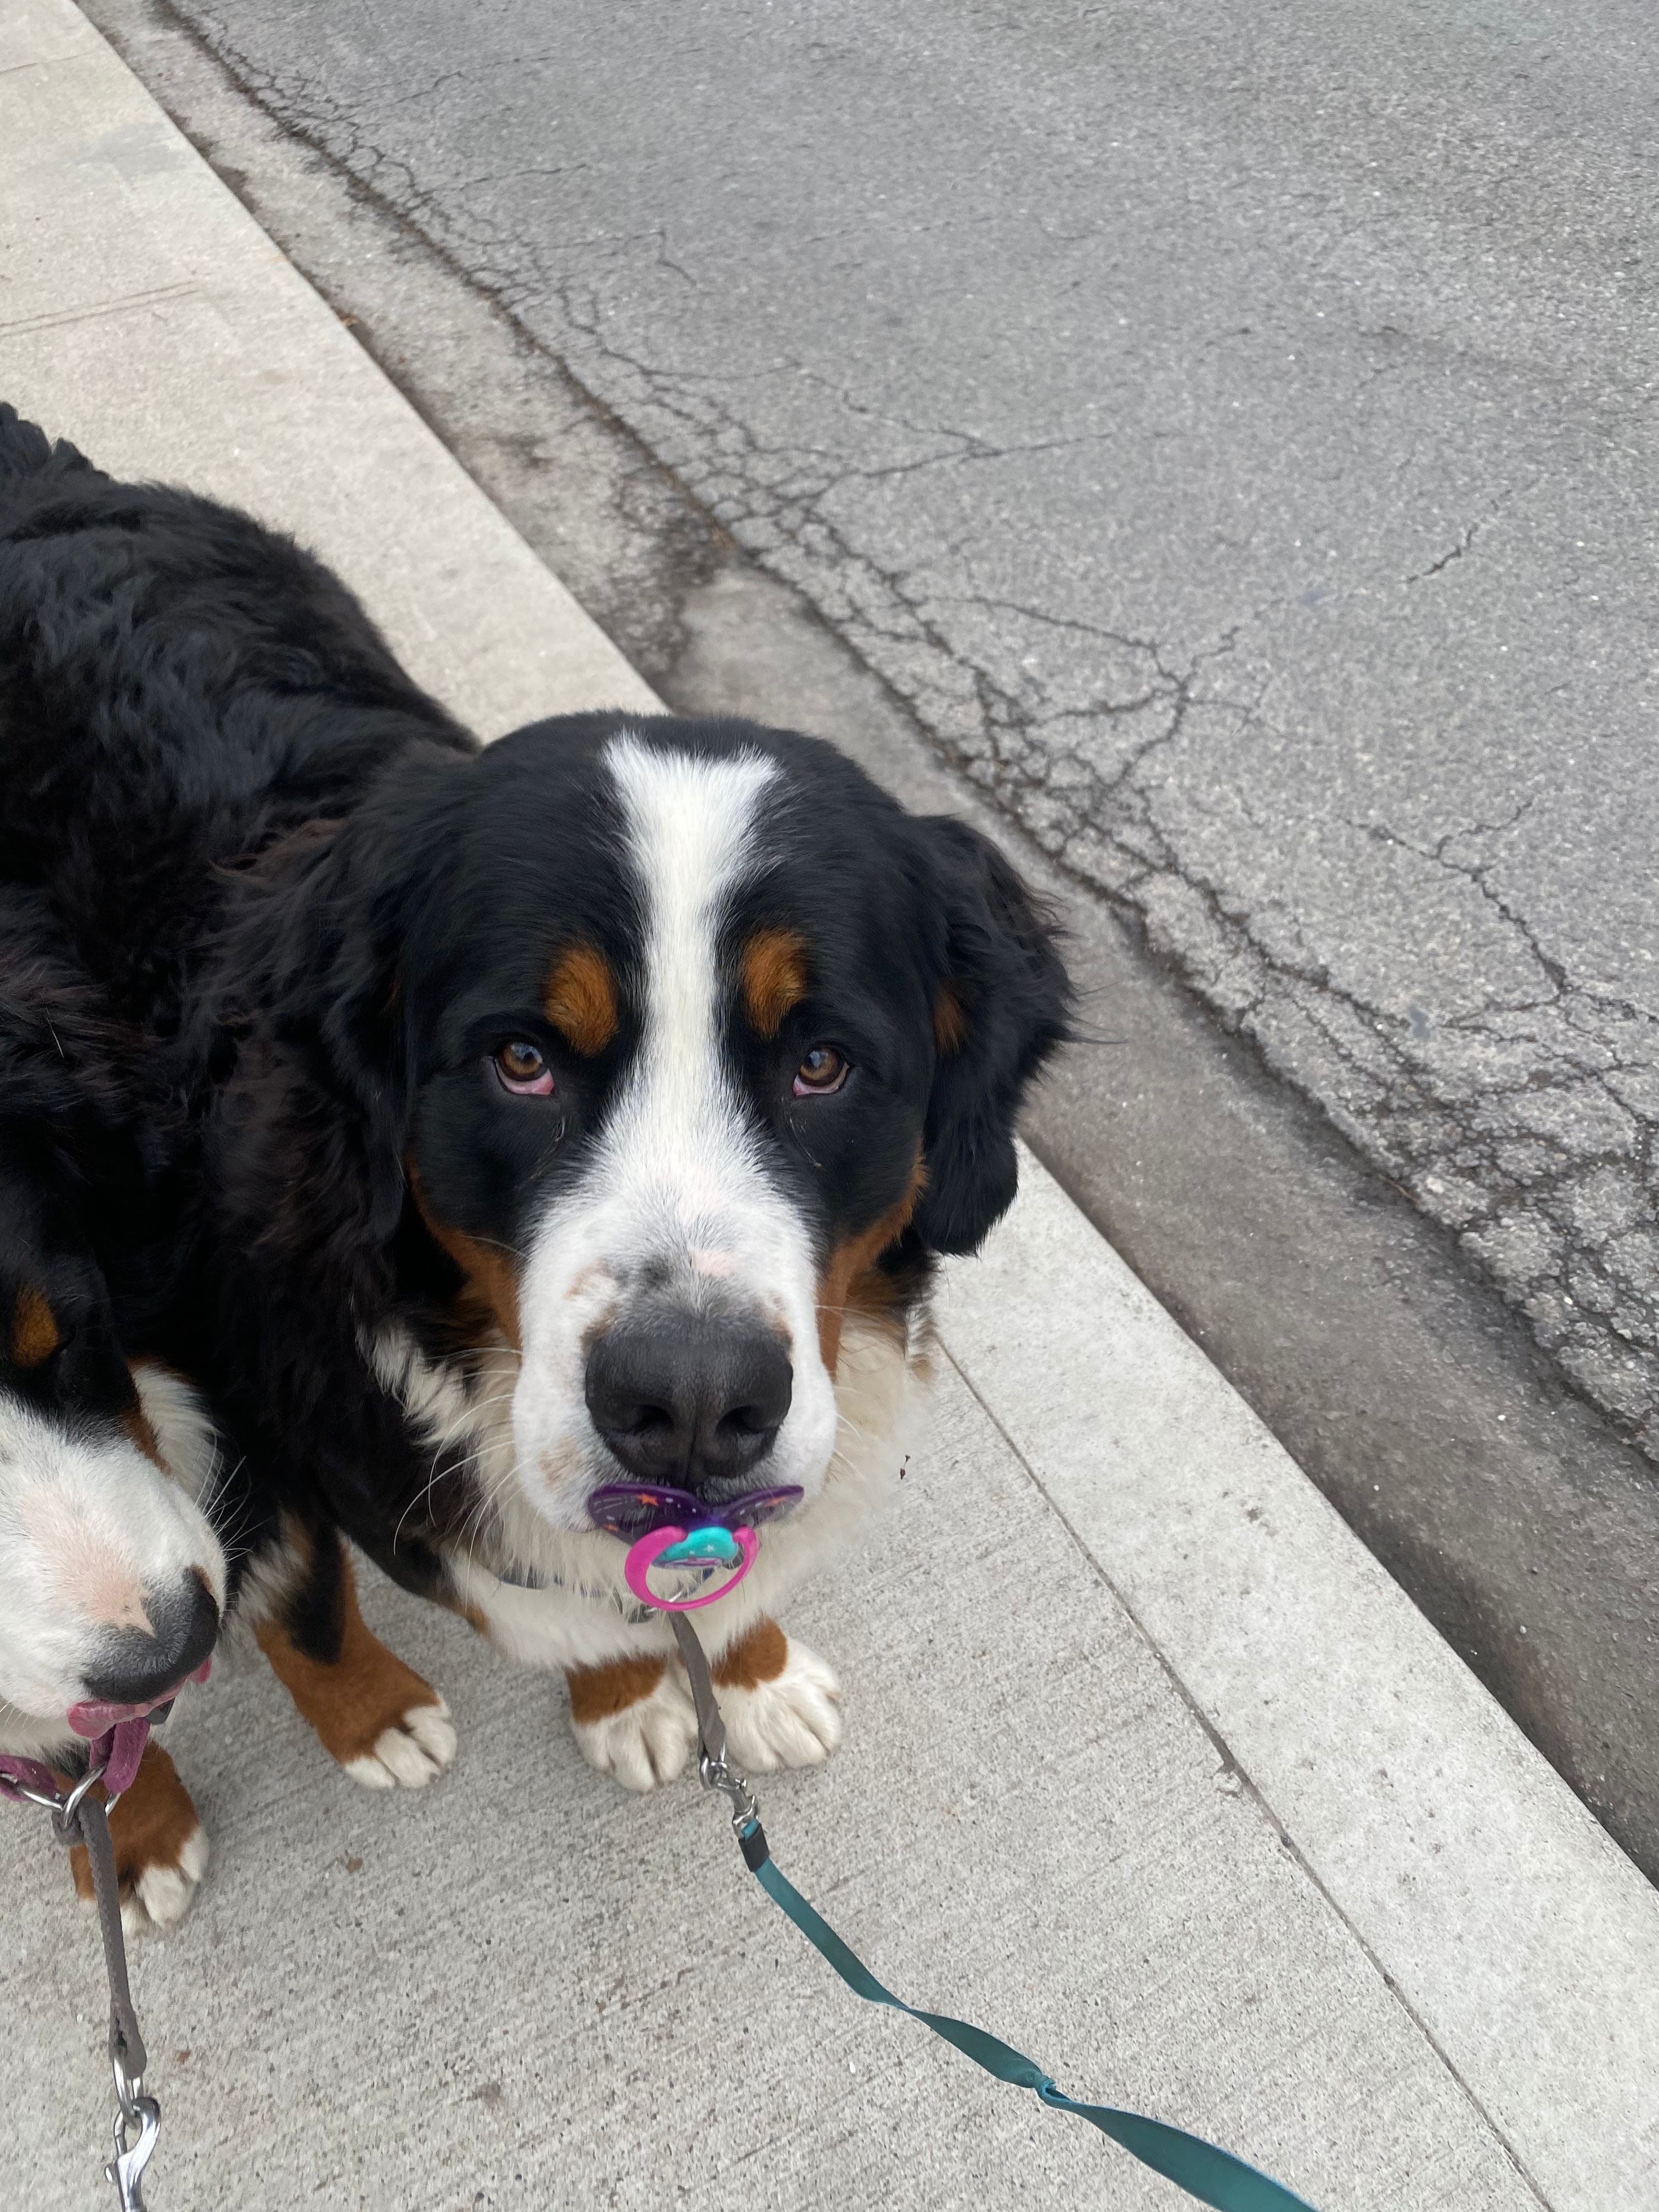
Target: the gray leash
pixel 81 1817
pixel 711 1728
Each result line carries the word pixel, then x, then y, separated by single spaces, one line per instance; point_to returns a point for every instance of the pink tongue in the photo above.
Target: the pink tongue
pixel 120 1752
pixel 105 1725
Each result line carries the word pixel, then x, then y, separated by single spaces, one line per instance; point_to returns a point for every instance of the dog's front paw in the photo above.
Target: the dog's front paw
pixel 409 1752
pixel 633 1721
pixel 159 1846
pixel 788 1718
pixel 163 1886
pixel 376 1718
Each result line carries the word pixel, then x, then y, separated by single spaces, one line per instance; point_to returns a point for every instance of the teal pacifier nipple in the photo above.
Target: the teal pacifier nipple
pixel 703 1547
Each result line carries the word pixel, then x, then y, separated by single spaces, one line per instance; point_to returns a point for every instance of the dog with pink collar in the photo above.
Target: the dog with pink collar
pixel 119 1488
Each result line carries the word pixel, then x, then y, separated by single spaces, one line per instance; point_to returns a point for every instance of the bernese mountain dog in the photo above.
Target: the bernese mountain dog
pixel 579 1116
pixel 124 1503
pixel 131 1520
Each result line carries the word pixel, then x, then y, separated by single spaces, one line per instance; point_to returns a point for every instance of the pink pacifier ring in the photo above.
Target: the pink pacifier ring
pixel 642 1557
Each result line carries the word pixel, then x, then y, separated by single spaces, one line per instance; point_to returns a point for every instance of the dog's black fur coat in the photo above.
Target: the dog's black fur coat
pixel 313 893
pixel 87 1221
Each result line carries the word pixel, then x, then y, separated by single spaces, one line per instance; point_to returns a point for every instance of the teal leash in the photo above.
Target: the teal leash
pixel 1214 2177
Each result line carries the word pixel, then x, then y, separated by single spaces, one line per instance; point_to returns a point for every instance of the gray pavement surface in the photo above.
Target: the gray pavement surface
pixel 1231 432
pixel 1528 1533
pixel 524 1988
pixel 1150 1762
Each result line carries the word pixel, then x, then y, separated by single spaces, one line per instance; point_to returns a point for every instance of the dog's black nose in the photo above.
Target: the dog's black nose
pixel 688 1399
pixel 133 1667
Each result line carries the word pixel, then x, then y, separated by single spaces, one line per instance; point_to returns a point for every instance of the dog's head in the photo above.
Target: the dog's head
pixel 682 1041
pixel 111 1582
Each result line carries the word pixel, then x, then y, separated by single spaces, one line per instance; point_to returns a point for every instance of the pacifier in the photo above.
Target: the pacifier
pixel 665 1526
pixel 708 1548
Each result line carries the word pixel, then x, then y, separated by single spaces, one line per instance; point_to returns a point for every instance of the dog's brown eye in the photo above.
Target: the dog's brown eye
pixel 821 1071
pixel 523 1069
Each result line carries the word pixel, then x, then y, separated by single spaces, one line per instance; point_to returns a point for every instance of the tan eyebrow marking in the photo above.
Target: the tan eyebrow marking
pixel 773 977
pixel 34 1332
pixel 580 999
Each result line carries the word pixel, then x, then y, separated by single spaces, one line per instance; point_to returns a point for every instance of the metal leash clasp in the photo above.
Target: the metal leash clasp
pixel 711 1728
pixel 126 2168
pixel 67 1808
pixel 50 1798
pixel 717 1775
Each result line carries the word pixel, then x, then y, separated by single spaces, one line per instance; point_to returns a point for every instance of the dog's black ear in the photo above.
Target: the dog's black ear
pixel 365 1027
pixel 314 1120
pixel 1001 1008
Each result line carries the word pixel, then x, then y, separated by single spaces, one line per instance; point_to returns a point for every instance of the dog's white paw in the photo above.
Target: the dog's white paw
pixel 161 1890
pixel 646 1743
pixel 408 1755
pixel 792 1720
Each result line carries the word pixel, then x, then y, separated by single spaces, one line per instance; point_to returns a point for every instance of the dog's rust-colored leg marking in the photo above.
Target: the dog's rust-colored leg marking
pixel 599 1694
pixel 354 1697
pixel 632 1719
pixel 759 1656
pixel 780 1703
pixel 154 1828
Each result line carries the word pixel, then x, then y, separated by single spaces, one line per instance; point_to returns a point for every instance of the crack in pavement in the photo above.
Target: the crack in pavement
pixel 1456 553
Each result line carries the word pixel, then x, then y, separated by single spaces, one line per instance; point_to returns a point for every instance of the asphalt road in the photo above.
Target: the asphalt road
pixel 1231 430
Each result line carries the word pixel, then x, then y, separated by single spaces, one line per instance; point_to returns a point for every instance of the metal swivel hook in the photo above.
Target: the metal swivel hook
pixel 126 2168
pixel 717 1775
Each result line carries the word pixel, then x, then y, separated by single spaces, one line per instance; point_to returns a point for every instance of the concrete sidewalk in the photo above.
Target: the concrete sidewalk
pixel 1150 1767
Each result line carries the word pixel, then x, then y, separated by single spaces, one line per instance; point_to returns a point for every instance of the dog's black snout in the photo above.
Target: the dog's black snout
pixel 689 1400
pixel 133 1667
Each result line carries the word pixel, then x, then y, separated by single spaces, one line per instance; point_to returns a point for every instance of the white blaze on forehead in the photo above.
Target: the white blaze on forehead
pixel 691 824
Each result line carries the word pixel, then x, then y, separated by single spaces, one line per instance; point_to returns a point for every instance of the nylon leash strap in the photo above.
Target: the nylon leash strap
pixel 138 2117
pixel 1214 2177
